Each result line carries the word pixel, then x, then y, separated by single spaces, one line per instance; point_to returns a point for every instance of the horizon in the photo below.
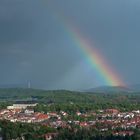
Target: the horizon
pixel 16 86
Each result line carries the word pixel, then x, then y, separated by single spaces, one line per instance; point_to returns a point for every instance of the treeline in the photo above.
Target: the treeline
pixel 71 100
pixel 64 96
pixel 90 134
pixel 9 131
pixel 72 108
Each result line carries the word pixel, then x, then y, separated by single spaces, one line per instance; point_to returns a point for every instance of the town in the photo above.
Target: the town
pixel 119 123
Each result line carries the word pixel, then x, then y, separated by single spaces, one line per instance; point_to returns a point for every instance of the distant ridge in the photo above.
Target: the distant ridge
pixel 13 86
pixel 115 89
pixel 101 89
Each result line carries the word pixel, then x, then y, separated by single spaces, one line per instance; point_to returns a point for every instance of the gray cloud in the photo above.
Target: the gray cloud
pixel 35 45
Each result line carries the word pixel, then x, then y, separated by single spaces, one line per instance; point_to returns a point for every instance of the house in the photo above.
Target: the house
pixel 112 111
pixel 29 111
pixel 123 133
pixel 83 124
pixel 78 113
pixel 41 117
pixel 50 136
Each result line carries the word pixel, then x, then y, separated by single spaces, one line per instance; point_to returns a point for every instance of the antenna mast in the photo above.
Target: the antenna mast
pixel 29 84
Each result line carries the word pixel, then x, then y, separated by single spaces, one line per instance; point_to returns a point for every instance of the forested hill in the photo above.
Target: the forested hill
pixel 55 96
pixel 64 96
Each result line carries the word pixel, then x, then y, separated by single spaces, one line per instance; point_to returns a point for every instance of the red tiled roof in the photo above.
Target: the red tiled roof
pixel 42 116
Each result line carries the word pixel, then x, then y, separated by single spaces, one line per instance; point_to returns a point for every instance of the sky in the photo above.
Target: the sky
pixel 36 46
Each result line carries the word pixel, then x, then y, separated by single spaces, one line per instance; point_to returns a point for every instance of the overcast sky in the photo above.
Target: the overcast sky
pixel 34 45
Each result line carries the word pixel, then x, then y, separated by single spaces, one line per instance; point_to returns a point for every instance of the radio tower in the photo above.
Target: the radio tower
pixel 29 84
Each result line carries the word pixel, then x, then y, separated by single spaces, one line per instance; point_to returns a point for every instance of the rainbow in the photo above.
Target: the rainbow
pixel 95 58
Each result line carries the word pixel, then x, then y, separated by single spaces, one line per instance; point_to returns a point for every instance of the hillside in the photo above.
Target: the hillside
pixel 111 89
pixel 64 96
pixel 50 96
pixel 115 89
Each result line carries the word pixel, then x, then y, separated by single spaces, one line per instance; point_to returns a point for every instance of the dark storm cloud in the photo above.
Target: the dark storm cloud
pixel 34 44
pixel 30 46
pixel 114 26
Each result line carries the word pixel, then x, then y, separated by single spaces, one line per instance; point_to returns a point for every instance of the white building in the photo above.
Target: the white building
pixel 22 105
